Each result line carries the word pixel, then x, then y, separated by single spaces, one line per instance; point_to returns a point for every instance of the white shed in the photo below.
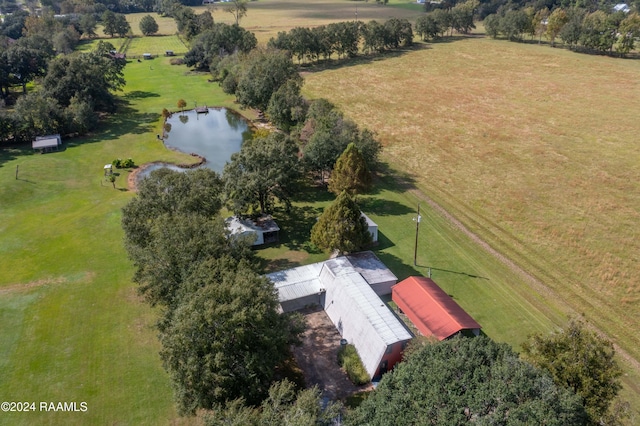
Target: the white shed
pixel 373 228
pixel 47 143
pixel 263 230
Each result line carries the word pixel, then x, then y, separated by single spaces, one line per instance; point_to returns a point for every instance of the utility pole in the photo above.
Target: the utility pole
pixel 415 249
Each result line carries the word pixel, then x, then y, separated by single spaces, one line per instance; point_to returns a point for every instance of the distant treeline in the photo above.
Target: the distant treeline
pixel 344 39
pixel 579 29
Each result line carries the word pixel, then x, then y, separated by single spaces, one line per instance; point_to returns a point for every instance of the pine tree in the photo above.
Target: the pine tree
pixel 350 173
pixel 341 227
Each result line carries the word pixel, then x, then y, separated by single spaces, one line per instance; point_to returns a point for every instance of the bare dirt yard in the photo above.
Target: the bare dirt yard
pixel 318 357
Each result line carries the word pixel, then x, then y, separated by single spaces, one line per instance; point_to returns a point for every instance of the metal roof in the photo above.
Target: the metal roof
pixel 46 142
pixel 262 224
pixel 363 298
pixel 352 276
pixel 371 268
pixel 297 282
pixel 430 309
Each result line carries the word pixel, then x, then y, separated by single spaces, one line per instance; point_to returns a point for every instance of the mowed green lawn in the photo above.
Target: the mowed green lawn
pixel 156 45
pixel 73 328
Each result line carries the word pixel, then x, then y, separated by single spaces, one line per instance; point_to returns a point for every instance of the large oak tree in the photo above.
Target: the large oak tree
pixel 265 170
pixel 581 360
pixel 226 339
pixel 467 380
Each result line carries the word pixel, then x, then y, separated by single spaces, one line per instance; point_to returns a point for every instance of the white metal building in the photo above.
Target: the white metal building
pixel 263 230
pixel 47 143
pixel 343 287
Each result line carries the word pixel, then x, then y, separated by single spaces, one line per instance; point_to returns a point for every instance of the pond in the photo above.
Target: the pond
pixel 214 135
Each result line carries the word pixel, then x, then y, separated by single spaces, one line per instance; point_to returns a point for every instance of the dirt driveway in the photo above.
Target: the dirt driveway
pixel 318 357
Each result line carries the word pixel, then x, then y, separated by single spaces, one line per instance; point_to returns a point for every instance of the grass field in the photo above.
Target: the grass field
pixel 531 147
pixel 157 46
pixel 73 328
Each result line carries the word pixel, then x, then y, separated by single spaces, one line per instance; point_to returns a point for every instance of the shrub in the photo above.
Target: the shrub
pixel 127 164
pixel 117 163
pixel 349 359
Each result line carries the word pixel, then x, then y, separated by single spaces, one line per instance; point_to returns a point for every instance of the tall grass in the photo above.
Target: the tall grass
pixel 350 361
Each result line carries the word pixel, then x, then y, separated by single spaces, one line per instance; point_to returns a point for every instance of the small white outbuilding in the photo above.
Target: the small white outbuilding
pixel 263 230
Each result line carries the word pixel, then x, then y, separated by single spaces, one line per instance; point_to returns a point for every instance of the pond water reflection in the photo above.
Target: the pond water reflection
pixel 214 135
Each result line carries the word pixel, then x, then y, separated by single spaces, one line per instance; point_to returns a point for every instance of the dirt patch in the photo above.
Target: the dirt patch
pixel 15 288
pixel 318 357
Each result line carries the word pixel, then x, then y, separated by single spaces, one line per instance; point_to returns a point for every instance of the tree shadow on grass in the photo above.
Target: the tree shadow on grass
pixel 382 207
pixel 383 242
pixel 391 179
pixel 363 58
pixel 306 192
pixel 295 227
pixel 126 121
pixel 448 271
pixel 278 265
pixel 14 151
pixel 139 94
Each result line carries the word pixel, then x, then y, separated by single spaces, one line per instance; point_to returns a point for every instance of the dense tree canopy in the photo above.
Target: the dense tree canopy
pixel 222 337
pixel 172 225
pixel 38 115
pixel 282 407
pixel 226 339
pixel 581 27
pixel 264 170
pixel 582 361
pixel 341 227
pixel 287 107
pixel 115 23
pixel 219 41
pixel 92 77
pixel 467 380
pixel 26 63
pixel 326 134
pixel 262 73
pixel 13 24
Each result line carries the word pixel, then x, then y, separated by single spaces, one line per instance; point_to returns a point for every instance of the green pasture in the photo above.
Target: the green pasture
pixel 156 45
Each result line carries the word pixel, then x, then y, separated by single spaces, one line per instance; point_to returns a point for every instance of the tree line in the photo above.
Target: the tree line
pixel 596 31
pixel 346 39
pixel 74 89
pixel 222 337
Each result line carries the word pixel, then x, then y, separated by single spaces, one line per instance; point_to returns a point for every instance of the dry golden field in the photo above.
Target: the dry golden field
pixel 265 18
pixel 535 149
